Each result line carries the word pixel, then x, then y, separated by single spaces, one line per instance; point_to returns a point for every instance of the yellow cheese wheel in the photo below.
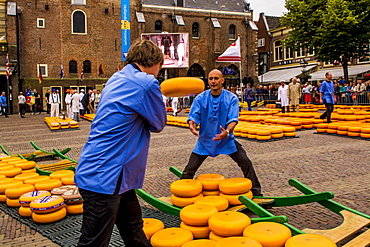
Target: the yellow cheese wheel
pixel 252 136
pixel 219 202
pixel 200 243
pixel 197 214
pixel 276 130
pixel 25 176
pixel 48 184
pixel 11 172
pixel 197 231
pixel 184 201
pixel 6 166
pixel 331 131
pixel 263 133
pixel 353 134
pixel 68 181
pixel 234 199
pixel 238 242
pixel 25 211
pixel 210 192
pixel 9 184
pixel 289 134
pixel 354 129
pixel 343 127
pixel 10 159
pixel 228 223
pixel 288 129
pixel 151 226
pixel 182 86
pixel 26 165
pixel 2 176
pixel 234 186
pixel 186 188
pixel 14 192
pixel 342 132
pixel 309 240
pixel 365 130
pixel 29 170
pixel 210 181
pixel 307 126
pixel 47 204
pixel 61 174
pixel 363 135
pixel 296 123
pixel 75 208
pixel 61 190
pixel 35 180
pixel 171 237
pixel 321 130
pixel 215 237
pixel 263 138
pixel 27 198
pixel 276 136
pixel 2 198
pixel 269 234
pixel 50 217
pixel 5 180
pixel 13 203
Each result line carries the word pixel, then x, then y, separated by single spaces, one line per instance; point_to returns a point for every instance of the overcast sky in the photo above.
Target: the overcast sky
pixel 269 7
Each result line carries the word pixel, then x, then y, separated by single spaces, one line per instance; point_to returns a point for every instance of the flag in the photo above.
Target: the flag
pixel 61 72
pixel 82 73
pixel 40 74
pixel 101 69
pixel 232 54
pixel 228 71
pixel 7 70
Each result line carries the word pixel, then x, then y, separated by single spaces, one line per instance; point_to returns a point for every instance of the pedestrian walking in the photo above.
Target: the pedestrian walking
pixel 327 96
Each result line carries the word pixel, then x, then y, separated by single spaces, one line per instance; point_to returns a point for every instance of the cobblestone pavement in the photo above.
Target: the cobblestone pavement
pixel 323 162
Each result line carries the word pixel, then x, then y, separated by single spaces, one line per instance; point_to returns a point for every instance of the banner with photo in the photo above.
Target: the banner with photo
pixel 175 48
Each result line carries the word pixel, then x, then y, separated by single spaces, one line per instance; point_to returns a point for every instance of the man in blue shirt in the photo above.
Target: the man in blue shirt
pixel 327 96
pixel 3 104
pixel 113 161
pixel 217 111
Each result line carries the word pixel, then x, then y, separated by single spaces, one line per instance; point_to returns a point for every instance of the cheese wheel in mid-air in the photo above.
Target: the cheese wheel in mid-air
pixel 182 86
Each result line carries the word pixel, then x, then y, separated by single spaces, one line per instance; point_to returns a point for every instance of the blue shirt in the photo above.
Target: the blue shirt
pixel 3 101
pixel 130 107
pixel 327 90
pixel 211 113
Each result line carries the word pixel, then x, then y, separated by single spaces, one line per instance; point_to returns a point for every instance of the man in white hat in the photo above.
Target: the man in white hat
pixel 283 96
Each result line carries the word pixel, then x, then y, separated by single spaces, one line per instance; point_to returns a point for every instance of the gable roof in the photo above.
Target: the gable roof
pixel 223 5
pixel 272 22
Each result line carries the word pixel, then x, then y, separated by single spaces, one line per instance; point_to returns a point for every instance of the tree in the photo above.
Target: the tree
pixel 334 29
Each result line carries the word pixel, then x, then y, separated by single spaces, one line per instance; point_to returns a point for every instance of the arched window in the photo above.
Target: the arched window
pixel 231 75
pixel 87 66
pixel 232 32
pixel 196 71
pixel 278 49
pixel 78 22
pixel 72 66
pixel 158 26
pixel 195 30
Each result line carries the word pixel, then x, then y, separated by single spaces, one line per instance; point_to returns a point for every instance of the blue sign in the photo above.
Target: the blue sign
pixel 125 27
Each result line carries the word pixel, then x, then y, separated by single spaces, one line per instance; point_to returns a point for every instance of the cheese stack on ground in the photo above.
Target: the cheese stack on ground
pixel 174 237
pixel 195 219
pixel 210 183
pixel 27 198
pixel 13 192
pixel 4 184
pixel 185 192
pixel 269 234
pixel 48 209
pixel 151 226
pixel 232 188
pixel 73 200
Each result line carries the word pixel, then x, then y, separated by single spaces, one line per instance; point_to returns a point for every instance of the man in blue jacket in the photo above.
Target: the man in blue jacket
pixel 327 96
pixel 3 104
pixel 113 161
pixel 217 111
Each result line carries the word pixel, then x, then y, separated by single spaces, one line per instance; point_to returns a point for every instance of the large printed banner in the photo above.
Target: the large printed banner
pixel 125 27
pixel 174 46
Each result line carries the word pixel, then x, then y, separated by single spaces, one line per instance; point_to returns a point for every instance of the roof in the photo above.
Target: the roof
pixel 275 76
pixel 223 5
pixel 353 71
pixel 273 22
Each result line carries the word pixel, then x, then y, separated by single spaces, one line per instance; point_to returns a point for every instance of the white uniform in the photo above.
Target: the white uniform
pixel 54 100
pixel 180 53
pixel 283 95
pixel 67 100
pixel 75 101
pixel 175 101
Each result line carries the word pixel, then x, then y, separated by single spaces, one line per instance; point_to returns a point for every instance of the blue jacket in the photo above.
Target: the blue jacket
pixel 3 101
pixel 129 108
pixel 211 113
pixel 327 90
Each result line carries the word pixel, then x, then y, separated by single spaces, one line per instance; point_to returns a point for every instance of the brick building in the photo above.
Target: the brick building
pixel 43 35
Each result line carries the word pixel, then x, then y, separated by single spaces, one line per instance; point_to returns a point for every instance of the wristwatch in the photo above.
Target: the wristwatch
pixel 228 133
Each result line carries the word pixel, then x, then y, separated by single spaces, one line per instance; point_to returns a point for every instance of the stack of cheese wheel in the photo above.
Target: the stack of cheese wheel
pixel 195 219
pixel 253 133
pixel 185 192
pixel 276 132
pixel 354 130
pixel 48 209
pixel 227 224
pixel 244 132
pixel 25 165
pixel 7 183
pixel 342 129
pixel 322 127
pixel 332 128
pixel 263 135
pixel 232 188
pixel 151 226
pixel 315 122
pixel 297 124
pixel 307 123
pixel 174 237
pixel 210 183
pixel 269 234
pixel 9 170
pixel 289 131
pixel 221 203
pixel 73 200
pixel 13 193
pixel 238 131
pixel 27 198
pixel 365 132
